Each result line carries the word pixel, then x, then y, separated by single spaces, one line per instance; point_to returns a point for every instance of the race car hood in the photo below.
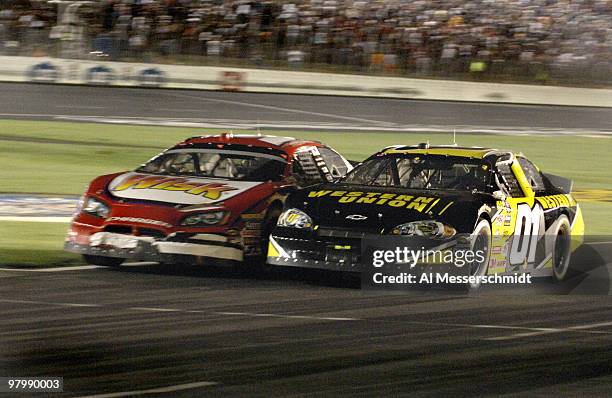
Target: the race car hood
pixel 377 209
pixel 179 190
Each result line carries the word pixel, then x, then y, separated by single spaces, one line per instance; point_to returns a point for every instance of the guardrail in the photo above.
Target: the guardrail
pixel 68 71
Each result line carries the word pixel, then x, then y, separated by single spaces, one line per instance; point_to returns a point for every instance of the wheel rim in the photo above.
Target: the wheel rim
pixel 561 251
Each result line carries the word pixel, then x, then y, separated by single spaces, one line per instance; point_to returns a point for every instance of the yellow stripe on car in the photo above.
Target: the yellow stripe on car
pixel 463 152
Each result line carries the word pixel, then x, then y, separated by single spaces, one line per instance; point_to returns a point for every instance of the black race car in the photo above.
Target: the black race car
pixel 499 201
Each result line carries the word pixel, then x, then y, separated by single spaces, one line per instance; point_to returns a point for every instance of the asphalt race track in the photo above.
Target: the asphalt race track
pixel 153 330
pixel 224 109
pixel 140 328
pixel 205 331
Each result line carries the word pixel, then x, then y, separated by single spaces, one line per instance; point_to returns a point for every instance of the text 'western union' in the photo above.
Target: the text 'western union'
pixel 418 203
pixel 550 202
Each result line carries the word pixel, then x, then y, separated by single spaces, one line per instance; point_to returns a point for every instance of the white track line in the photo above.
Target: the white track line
pixel 80 107
pixel 78 305
pixel 251 314
pixel 179 110
pixel 378 125
pixel 160 390
pixel 278 108
pixel 53 269
pixel 481 326
pixel 153 309
pixel 581 328
pixel 178 310
pixel 139 264
pixel 36 219
pixel 390 127
pixel 76 268
pixel 20 301
pixel 530 331
pixel 53 304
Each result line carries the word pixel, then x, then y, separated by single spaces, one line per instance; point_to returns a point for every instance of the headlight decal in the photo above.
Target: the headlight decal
pixel 294 218
pixel 428 229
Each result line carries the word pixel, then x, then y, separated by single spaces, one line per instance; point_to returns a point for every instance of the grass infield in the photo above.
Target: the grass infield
pixel 61 158
pixel 34 244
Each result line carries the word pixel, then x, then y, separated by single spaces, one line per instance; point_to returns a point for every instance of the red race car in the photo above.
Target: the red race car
pixel 213 197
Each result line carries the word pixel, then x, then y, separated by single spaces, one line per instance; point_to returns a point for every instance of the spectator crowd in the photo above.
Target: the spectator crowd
pixel 529 38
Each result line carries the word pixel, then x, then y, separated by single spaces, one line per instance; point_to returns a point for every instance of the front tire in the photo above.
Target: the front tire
pixel 268 226
pixel 561 251
pixel 103 261
pixel 481 241
pixel 258 264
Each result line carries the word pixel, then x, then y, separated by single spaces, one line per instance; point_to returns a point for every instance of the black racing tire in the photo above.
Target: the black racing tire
pixel 268 225
pixel 258 264
pixel 482 240
pixel 561 250
pixel 104 261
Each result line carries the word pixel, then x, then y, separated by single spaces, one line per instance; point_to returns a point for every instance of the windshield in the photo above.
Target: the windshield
pixel 423 172
pixel 233 165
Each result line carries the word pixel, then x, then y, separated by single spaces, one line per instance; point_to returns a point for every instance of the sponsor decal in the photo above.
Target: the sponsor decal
pixel 250 233
pixel 553 201
pixel 496 249
pixel 140 221
pixel 151 77
pixel 418 203
pixel 43 72
pixel 99 74
pixel 252 225
pixel 252 216
pixel 251 230
pixel 208 190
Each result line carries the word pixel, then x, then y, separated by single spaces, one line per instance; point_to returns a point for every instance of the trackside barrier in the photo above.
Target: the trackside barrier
pixel 66 71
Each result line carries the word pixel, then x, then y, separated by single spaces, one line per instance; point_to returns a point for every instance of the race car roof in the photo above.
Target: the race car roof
pixel 286 144
pixel 448 150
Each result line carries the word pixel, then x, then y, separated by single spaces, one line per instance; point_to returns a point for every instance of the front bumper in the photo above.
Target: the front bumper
pixel 147 248
pixel 347 251
pixel 339 255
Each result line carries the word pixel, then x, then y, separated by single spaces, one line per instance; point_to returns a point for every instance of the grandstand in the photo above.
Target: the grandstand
pixel 506 40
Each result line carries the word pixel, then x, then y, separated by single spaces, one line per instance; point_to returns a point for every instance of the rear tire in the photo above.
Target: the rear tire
pixel 561 251
pixel 104 261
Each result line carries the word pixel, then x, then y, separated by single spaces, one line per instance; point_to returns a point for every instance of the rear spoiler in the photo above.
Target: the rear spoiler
pixel 563 184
